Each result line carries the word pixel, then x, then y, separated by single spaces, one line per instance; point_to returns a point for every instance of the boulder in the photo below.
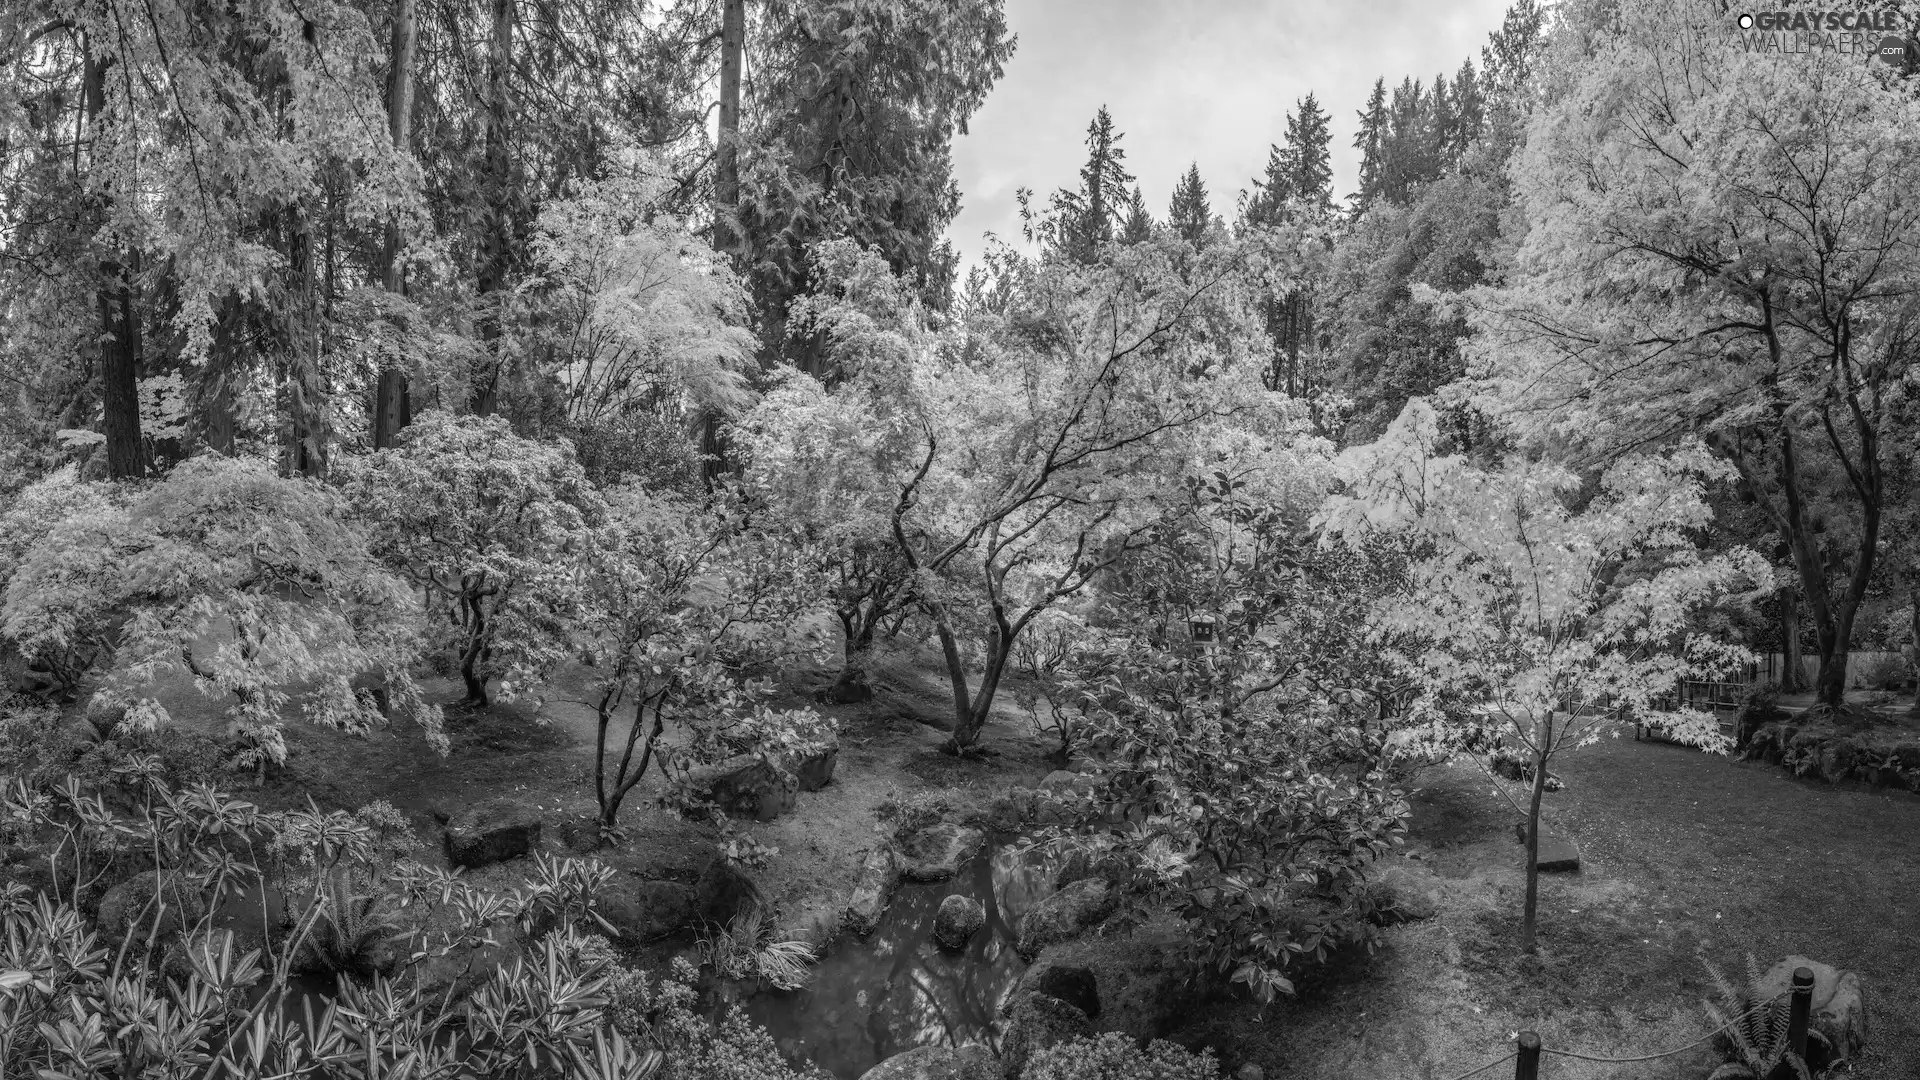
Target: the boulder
pixel 1399 896
pixel 1065 914
pixel 724 892
pixel 1250 1071
pixel 935 852
pixel 1557 854
pixel 872 889
pixel 1035 1022
pixel 959 918
pixel 491 833
pixel 1062 782
pixel 1839 1018
pixel 815 771
pixel 746 785
pixel 1070 983
pixel 128 910
pixel 1907 756
pixel 817 926
pixel 970 1062
pixel 1836 760
pixel 648 910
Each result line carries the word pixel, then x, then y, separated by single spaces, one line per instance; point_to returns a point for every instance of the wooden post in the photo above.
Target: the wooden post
pixel 1802 1010
pixel 1527 1065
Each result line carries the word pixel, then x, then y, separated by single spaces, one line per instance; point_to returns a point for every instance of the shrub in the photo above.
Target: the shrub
pixel 1115 1056
pixel 906 813
pixel 1882 671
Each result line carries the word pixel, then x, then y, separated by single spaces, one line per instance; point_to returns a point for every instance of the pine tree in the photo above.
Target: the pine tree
pixel 1370 141
pixel 1309 168
pixel 1443 124
pixel 1189 214
pixel 1469 107
pixel 1079 221
pixel 1507 57
pixel 1138 225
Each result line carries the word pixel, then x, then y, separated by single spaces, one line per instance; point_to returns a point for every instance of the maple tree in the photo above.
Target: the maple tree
pixel 1558 619
pixel 1747 271
pixel 494 529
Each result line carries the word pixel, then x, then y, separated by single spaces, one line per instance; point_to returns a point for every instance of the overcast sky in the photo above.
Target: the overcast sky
pixel 1207 81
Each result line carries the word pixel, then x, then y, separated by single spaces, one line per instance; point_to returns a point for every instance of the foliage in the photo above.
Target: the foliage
pixel 77 1009
pixel 1752 1030
pixel 750 947
pixel 667 1015
pixel 685 607
pixel 908 812
pixel 1727 286
pixel 257 587
pixel 1115 1055
pixel 496 529
pixel 1545 612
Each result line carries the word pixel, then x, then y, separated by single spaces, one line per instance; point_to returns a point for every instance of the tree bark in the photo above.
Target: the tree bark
pixel 494 261
pixel 119 324
pixel 391 405
pixel 1793 675
pixel 726 187
pixel 1529 921
pixel 306 383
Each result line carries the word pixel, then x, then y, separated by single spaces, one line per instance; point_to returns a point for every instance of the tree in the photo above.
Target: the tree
pixel 495 529
pixel 1138 225
pixel 1561 620
pixel 392 407
pixel 260 589
pixel 1749 273
pixel 848 133
pixel 1078 221
pixel 1371 140
pixel 1046 457
pixel 671 591
pixel 1188 214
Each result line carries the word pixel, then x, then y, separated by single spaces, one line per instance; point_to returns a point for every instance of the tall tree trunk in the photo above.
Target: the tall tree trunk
pixel 726 186
pixel 120 373
pixel 391 407
pixel 1793 674
pixel 493 268
pixel 306 384
pixel 119 325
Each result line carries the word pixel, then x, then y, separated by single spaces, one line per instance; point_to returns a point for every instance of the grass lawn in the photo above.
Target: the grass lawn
pixel 1684 855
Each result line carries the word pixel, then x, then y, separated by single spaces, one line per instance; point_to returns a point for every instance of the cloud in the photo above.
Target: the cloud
pixel 1206 81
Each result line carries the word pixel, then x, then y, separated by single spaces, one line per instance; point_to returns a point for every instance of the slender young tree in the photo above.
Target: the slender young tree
pixel 392 409
pixel 1370 140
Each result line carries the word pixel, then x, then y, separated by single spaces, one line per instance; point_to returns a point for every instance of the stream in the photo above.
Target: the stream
pixel 895 990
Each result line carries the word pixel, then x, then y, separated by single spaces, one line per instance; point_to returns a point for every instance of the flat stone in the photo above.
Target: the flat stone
pixel 746 785
pixel 1557 854
pixel 935 852
pixel 879 874
pixel 492 832
pixel 970 1062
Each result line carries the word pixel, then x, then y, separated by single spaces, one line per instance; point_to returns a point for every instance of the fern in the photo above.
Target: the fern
pixel 1753 1029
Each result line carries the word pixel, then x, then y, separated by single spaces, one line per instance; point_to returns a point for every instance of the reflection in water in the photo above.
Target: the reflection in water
pixel 869 1000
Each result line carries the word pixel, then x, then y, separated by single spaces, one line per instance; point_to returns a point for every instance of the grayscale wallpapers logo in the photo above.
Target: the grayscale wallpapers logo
pixel 1850 33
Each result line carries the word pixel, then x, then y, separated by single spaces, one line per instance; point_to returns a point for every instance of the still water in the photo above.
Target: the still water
pixel 897 989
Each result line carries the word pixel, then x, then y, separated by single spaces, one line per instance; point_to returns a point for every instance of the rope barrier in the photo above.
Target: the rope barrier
pixel 1666 1053
pixel 1488 1065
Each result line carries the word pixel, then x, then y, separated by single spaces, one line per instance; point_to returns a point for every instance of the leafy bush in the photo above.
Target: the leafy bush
pixel 1883 671
pixel 905 813
pixel 1115 1056
pixel 666 1015
pixel 257 587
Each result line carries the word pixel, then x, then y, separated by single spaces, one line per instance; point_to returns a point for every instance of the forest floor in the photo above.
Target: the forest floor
pixel 1684 856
